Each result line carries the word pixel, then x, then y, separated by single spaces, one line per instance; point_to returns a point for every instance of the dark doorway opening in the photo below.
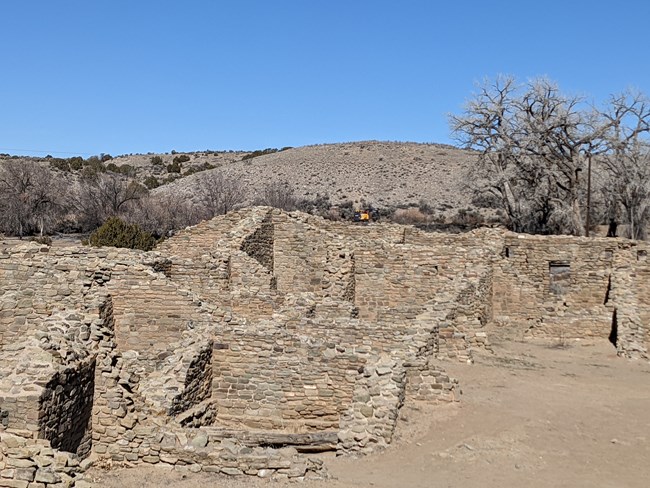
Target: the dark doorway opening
pixel 613 334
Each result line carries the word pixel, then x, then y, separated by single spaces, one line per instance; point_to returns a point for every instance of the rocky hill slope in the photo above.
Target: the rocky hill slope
pixel 381 173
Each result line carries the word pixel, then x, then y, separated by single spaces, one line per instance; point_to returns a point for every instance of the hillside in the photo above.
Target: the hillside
pixel 381 173
pixel 384 175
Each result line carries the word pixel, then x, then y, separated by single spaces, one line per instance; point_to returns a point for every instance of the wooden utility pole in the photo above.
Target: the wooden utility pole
pixel 588 193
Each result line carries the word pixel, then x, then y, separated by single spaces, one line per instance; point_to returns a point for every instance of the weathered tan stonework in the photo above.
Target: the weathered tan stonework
pixel 248 343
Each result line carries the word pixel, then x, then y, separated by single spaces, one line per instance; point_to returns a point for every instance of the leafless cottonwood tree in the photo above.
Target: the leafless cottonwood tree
pixel 627 160
pixel 31 197
pixel 103 195
pixel 533 144
pixel 219 194
pixel 488 126
pixel 558 133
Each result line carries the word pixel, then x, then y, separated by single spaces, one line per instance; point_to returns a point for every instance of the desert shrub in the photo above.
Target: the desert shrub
pixel 151 182
pixel 170 178
pixel 93 166
pixel 319 205
pixel 333 214
pixel 410 216
pixel 117 233
pixel 278 194
pixel 468 217
pixel 485 200
pixel 426 208
pixel 183 158
pixel 126 169
pixel 162 215
pixel 174 167
pixel 197 169
pixel 346 210
pixel 260 152
pixel 60 164
pixel 156 160
pixel 47 240
pixel 76 163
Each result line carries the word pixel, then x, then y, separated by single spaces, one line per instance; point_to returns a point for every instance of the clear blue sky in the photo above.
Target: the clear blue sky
pixel 123 76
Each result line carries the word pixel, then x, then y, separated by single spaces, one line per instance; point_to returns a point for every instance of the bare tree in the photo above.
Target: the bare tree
pixel 105 195
pixel 219 194
pixel 503 173
pixel 278 194
pixel 628 159
pixel 31 197
pixel 532 142
pixel 161 215
pixel 559 131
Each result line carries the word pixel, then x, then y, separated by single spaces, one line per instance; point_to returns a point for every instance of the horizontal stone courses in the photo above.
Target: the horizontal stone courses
pixel 247 342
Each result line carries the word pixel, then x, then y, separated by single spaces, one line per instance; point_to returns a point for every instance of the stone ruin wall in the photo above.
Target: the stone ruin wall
pixel 262 329
pixel 152 312
pixel 630 297
pixel 272 380
pixel 556 287
pixel 568 287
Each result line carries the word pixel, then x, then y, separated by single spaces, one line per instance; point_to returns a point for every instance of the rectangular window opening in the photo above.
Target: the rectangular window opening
pixel 559 277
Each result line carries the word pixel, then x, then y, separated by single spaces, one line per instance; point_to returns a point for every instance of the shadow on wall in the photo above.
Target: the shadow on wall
pixel 613 335
pixel 65 409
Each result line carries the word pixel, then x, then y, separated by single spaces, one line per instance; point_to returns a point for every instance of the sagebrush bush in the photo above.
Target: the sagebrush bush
pixel 117 233
pixel 411 216
pixel 60 164
pixel 468 217
pixel 47 240
pixel 183 158
pixel 174 167
pixel 151 182
pixel 261 152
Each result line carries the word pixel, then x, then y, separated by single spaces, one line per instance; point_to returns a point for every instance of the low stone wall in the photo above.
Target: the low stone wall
pixel 428 382
pixel 379 393
pixel 26 462
pixel 207 450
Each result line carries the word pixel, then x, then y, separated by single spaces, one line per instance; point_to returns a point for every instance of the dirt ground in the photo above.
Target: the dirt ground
pixel 532 414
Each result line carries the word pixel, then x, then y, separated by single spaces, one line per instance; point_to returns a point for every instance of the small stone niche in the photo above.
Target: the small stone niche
pixel 642 255
pixel 559 277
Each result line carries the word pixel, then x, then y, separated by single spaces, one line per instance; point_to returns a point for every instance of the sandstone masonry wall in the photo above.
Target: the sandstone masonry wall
pixel 242 343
